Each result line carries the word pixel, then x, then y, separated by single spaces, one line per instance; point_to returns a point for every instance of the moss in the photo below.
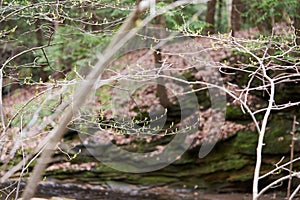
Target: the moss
pixel 277 137
pixel 245 142
pixel 232 163
pixel 243 175
pixel 277 145
pixel 156 180
pixel 234 113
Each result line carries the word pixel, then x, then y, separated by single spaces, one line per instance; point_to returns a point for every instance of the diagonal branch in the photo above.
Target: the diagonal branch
pixel 86 87
pixel 125 33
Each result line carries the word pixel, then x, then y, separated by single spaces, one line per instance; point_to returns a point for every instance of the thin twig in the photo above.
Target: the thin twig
pixel 276 182
pixel 291 158
pixel 295 192
pixel 125 33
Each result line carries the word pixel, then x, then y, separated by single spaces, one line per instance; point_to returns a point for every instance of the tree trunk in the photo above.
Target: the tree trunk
pixel 228 11
pixel 210 17
pixel 40 39
pixel 161 91
pixel 297 29
pixel 265 26
pixel 236 19
pixel 297 23
pixel 219 14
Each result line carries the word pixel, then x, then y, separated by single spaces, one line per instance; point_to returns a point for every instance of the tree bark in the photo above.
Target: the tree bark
pixel 297 23
pixel 297 30
pixel 210 17
pixel 161 91
pixel 40 39
pixel 219 14
pixel 236 19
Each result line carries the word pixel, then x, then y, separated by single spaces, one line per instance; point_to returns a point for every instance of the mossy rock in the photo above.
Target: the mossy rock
pixel 234 113
pixel 277 138
pixel 245 143
pixel 287 92
pixel 242 175
pixel 156 180
pixel 230 163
